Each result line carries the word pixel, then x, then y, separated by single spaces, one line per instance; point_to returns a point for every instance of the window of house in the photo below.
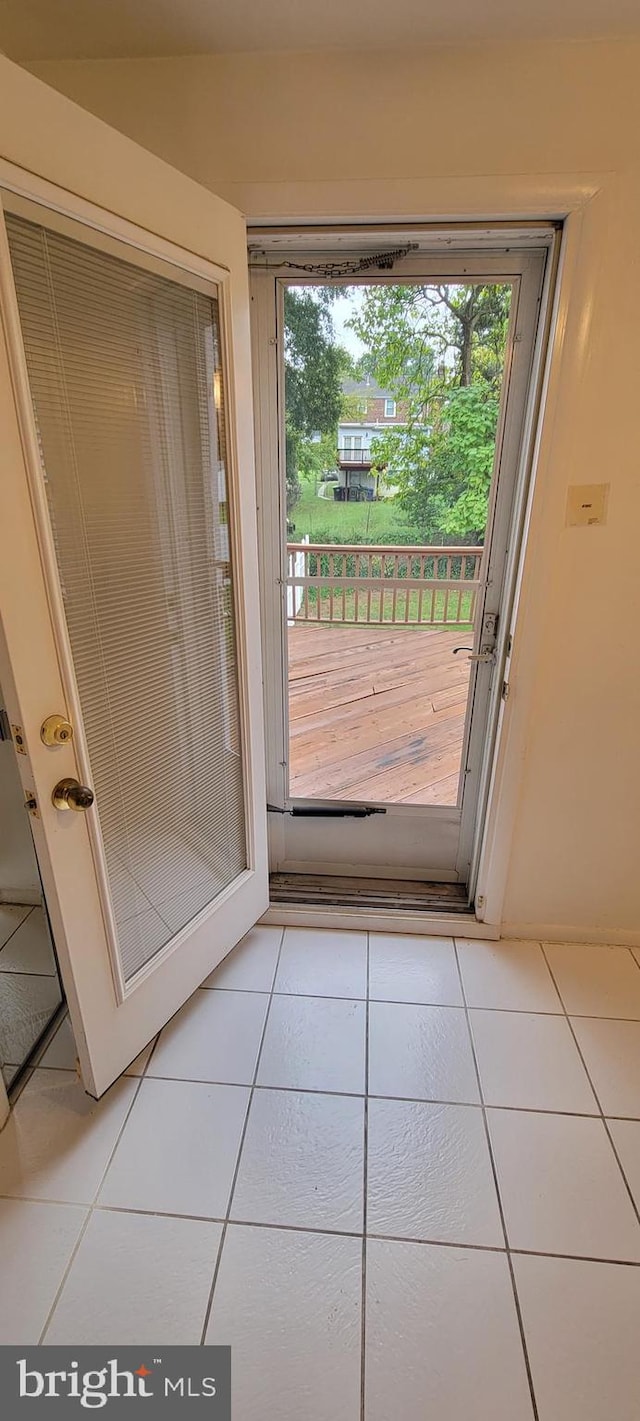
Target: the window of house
pixel 389 409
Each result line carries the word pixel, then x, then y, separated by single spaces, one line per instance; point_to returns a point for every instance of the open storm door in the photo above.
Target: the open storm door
pixel 128 568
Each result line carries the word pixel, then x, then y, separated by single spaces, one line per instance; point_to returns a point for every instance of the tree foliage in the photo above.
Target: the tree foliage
pixel 440 349
pixel 314 367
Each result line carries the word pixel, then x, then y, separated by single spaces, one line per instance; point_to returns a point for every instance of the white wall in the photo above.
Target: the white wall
pixel 500 131
pixel 242 119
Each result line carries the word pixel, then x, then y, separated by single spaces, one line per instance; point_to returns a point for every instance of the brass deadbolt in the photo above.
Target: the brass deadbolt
pixel 70 794
pixel 56 730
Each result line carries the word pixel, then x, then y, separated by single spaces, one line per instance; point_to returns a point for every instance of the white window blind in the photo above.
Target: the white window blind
pixel 126 381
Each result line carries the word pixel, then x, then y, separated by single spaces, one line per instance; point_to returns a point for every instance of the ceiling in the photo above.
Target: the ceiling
pixel 115 29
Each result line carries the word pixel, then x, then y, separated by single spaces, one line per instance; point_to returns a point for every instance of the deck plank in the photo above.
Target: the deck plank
pixel 376 713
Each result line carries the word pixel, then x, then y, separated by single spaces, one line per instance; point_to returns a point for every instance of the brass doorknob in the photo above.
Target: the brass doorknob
pixel 70 794
pixel 56 730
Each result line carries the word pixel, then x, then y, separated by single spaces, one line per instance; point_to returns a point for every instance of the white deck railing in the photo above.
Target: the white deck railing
pixel 378 586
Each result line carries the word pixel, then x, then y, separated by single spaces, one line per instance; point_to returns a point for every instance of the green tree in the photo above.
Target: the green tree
pixel 460 462
pixel 313 370
pixel 440 349
pixel 364 365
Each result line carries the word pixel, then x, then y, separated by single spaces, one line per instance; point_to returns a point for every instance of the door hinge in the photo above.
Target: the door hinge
pixel 505 691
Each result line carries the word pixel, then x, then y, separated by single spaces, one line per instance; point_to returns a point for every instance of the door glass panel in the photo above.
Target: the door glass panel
pixel 126 381
pixel 392 405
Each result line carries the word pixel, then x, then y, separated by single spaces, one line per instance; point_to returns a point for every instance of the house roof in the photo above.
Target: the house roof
pixel 366 389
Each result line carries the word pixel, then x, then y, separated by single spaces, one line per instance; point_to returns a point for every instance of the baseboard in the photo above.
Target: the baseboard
pixel 296 915
pixel 21 897
pixel 560 932
pixel 380 920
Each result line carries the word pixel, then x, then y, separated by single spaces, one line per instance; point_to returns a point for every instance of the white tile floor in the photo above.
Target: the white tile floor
pixel 473 1220
pixel 29 986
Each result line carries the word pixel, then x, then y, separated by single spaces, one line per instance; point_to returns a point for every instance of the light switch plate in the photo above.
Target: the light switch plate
pixel 587 505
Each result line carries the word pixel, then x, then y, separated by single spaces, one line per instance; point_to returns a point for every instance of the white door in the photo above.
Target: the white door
pixel 382 697
pixel 128 583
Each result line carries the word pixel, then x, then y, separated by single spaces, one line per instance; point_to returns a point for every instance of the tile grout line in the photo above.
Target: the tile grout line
pixel 126 1074
pixel 404 1002
pixel 46 1039
pixel 602 1115
pixel 363 1305
pixel 94 1205
pixel 328 1233
pixel 90 1207
pixel 48 1036
pixel 20 924
pixel 209 1307
pixel 494 1170
pixel 358 1095
pixel 19 972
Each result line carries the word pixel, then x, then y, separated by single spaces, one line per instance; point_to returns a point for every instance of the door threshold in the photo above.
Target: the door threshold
pixel 374 905
pixel 344 891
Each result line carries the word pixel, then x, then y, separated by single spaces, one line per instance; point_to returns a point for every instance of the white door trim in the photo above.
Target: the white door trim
pixel 379 920
pixel 582 201
pixel 106 229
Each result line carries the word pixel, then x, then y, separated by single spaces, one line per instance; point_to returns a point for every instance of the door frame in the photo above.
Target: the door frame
pixel 492 252
pixel 71 894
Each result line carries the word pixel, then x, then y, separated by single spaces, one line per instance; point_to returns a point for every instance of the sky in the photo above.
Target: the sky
pixel 341 310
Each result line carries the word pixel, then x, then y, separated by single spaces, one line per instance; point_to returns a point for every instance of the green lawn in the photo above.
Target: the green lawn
pixel 326 521
pixel 384 523
pixel 457 611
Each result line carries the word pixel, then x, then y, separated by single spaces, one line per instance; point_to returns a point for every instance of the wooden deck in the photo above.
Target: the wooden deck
pixel 376 713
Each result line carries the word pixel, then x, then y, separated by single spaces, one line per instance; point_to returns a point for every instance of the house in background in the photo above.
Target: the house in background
pixel 371 410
